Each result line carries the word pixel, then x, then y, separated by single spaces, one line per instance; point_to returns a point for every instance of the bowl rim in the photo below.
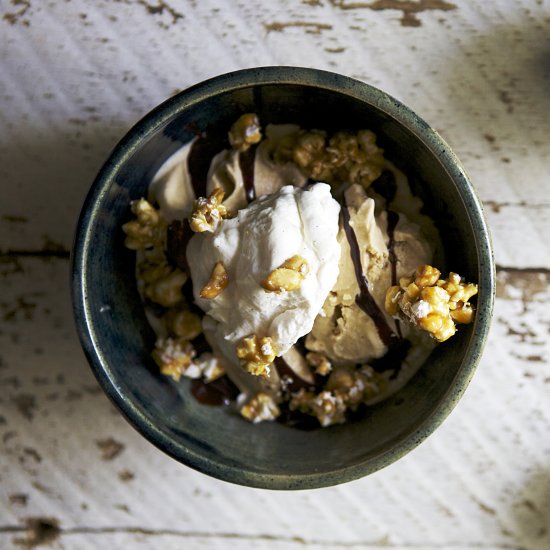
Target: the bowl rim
pixel 281 75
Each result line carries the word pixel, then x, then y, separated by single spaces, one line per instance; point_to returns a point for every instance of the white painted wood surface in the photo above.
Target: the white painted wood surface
pixel 74 76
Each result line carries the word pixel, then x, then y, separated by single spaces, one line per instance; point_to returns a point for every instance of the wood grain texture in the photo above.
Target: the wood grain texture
pixel 75 76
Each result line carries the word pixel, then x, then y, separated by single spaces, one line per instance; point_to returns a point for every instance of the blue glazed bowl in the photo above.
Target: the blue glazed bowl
pixel 117 339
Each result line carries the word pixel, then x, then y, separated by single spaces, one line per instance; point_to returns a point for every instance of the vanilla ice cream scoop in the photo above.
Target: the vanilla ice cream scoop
pixel 262 237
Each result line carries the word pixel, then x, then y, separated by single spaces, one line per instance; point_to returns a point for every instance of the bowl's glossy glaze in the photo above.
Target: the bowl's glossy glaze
pixel 117 340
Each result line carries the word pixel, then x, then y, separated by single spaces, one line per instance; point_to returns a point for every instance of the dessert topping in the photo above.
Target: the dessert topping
pixel 261 407
pixel 245 132
pixel 328 407
pixel 256 354
pixel 216 284
pixel 208 212
pixel 147 230
pixel 183 323
pixel 319 362
pixel 343 159
pixel 288 276
pixel 431 303
pixel 161 282
pixel 174 356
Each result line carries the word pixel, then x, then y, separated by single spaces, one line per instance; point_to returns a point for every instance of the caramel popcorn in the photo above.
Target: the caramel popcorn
pixel 345 158
pixel 328 407
pixel 355 385
pixel 288 276
pixel 183 323
pixel 261 407
pixel 245 132
pixel 256 354
pixel 216 284
pixel 319 362
pixel 208 212
pixel 173 356
pixel 347 387
pixel 147 230
pixel 206 366
pixel 432 303
pixel 161 282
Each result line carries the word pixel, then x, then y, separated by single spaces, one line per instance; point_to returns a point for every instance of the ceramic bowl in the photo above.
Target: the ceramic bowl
pixel 117 339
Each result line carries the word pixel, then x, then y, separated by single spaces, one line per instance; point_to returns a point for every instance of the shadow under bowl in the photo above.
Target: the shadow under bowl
pixel 117 339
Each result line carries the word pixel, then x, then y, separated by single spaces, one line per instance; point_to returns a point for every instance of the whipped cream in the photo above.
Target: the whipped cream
pixel 292 221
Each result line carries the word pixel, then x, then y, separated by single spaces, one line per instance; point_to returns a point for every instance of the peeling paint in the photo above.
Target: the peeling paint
pixel 311 28
pixel 39 531
pixel 522 284
pixel 19 499
pixel 110 448
pixel 126 475
pixel 497 206
pixel 18 15
pixel 25 404
pixel 160 8
pixel 23 309
pixel 409 8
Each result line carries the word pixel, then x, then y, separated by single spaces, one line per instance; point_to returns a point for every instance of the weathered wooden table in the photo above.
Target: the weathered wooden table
pixel 74 76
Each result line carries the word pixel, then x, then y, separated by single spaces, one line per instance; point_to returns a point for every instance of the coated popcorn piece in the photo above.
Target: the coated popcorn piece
pixel 344 158
pixel 206 366
pixel 431 303
pixel 208 212
pixel 260 408
pixel 147 230
pixel 347 388
pixel 256 354
pixel 327 406
pixel 173 356
pixel 245 132
pixel 161 282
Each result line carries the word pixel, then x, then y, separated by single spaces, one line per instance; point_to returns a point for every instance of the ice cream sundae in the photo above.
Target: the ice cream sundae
pixel 289 275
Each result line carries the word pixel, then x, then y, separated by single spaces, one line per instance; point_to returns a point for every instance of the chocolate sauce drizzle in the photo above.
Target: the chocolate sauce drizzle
pixel 393 218
pixel 216 393
pixel 246 164
pixel 207 145
pixel 386 187
pixel 178 236
pixel 365 299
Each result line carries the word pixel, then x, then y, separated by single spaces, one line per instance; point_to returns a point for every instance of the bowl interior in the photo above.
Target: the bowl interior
pixel 118 340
